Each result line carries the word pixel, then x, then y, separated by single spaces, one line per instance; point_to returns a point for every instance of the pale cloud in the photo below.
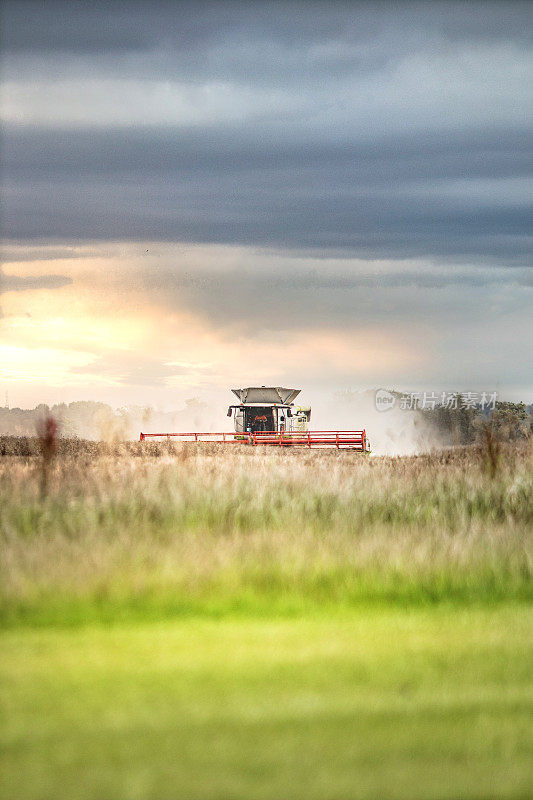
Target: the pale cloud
pixel 38 364
pixel 17 283
pixel 114 328
pixel 422 91
pixel 177 320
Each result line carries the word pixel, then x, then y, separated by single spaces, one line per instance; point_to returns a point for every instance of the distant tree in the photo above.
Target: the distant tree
pixel 512 420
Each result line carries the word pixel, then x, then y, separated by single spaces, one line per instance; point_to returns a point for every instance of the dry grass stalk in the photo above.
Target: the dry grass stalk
pixel 47 431
pixel 491 448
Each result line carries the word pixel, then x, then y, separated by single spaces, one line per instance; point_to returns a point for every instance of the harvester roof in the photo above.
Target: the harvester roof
pixel 266 394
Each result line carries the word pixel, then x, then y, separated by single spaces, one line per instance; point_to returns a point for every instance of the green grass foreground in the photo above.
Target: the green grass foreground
pixel 426 703
pixel 225 623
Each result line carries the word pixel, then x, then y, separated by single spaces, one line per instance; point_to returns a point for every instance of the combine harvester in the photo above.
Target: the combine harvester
pixel 266 415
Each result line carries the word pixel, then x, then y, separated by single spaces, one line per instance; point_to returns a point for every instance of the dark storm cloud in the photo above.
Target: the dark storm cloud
pixel 377 199
pixel 322 126
pixel 104 27
pixel 144 151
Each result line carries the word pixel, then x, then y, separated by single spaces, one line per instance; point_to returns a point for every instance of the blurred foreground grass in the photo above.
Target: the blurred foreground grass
pixel 430 702
pixel 230 623
pixel 159 531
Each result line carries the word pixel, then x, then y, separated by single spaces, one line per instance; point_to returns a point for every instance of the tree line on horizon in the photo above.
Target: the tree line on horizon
pixel 87 419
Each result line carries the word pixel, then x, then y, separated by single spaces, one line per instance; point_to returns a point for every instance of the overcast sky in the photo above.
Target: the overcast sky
pixel 326 195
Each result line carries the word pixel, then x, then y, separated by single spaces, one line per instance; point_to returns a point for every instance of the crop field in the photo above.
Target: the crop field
pixel 210 622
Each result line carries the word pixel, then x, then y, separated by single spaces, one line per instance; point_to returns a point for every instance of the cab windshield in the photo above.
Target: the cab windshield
pixel 259 418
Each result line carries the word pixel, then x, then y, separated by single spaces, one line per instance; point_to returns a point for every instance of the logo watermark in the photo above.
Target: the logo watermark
pixel 413 401
pixel 384 400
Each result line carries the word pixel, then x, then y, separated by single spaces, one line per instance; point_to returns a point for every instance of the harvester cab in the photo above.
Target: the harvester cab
pixel 268 408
